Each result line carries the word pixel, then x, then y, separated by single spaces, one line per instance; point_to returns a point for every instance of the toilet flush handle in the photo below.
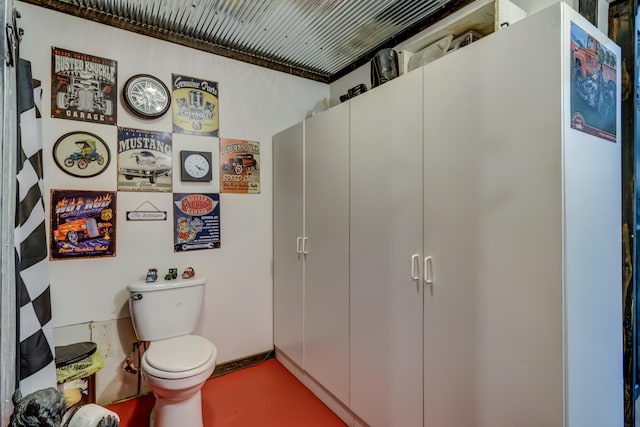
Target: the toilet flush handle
pixel 136 297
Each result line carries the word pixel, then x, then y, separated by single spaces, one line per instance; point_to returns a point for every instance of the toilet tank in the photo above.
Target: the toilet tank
pixel 166 308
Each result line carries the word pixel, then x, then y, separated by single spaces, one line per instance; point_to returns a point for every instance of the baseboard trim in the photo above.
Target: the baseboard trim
pixel 236 365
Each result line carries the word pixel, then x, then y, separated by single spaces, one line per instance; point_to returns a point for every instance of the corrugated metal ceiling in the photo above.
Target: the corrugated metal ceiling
pixel 318 39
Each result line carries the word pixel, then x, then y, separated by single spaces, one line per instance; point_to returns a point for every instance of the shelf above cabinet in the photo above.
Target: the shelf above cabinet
pixel 482 16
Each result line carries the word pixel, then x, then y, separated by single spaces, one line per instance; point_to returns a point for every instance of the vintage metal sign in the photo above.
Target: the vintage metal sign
pixel 83 87
pixel 239 166
pixel 144 160
pixel 83 224
pixel 196 221
pixel 195 106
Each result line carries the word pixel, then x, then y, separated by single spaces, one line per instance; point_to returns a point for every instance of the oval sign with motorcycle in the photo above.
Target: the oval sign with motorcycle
pixel 81 154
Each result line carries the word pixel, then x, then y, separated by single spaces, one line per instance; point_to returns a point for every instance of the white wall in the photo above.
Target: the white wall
pixel 255 103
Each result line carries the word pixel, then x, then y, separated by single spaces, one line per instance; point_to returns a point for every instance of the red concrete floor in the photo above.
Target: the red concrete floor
pixel 264 395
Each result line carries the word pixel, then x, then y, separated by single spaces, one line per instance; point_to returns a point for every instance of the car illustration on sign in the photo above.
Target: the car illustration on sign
pixel 146 165
pixel 80 229
pixel 239 162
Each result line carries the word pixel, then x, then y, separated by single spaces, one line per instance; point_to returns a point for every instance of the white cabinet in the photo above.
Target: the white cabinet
pixel 288 275
pixel 522 224
pixel 326 300
pixel 311 247
pixel 386 238
pixel 478 273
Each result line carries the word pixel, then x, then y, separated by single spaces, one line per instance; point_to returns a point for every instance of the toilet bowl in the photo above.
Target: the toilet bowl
pixel 176 369
pixel 177 363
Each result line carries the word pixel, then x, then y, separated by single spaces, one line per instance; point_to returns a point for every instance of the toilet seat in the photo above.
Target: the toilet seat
pixel 179 357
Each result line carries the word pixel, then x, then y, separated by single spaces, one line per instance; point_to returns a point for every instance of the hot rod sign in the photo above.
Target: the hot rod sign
pixel 82 224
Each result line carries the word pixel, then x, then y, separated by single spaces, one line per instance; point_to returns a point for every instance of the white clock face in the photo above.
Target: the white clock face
pixel 196 165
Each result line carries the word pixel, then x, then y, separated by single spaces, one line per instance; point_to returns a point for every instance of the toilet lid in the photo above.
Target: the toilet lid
pixel 179 354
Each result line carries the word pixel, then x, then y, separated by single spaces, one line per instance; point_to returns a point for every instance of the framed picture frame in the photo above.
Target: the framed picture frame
pixel 81 154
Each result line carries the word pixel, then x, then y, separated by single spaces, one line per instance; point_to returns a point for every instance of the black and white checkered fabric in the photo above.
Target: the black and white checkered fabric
pixel 36 349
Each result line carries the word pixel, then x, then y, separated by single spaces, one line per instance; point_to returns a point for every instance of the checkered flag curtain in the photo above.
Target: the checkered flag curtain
pixel 35 350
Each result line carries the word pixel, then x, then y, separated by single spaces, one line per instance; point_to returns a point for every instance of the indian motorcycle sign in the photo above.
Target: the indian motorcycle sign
pixel 83 87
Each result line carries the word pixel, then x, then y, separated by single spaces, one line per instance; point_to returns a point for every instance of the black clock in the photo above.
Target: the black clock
pixel 196 166
pixel 146 96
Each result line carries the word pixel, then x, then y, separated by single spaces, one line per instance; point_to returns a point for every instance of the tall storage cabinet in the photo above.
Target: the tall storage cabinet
pixel 386 243
pixel 288 215
pixel 484 264
pixel 522 228
pixel 326 302
pixel 311 247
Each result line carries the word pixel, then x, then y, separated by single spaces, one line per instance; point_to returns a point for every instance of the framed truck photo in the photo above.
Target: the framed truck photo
pixel 594 85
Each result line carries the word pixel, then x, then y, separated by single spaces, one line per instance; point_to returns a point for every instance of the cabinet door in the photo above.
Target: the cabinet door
pixel 287 239
pixel 493 211
pixel 326 299
pixel 386 231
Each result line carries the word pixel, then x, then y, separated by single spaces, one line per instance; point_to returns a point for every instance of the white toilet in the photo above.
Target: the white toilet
pixel 177 363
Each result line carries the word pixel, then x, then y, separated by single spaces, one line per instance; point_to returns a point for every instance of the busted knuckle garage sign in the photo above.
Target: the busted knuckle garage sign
pixel 83 87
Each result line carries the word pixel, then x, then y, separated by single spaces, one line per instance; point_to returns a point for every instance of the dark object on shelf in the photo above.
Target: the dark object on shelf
pixel 463 40
pixel 357 90
pixel 384 67
pixel 354 91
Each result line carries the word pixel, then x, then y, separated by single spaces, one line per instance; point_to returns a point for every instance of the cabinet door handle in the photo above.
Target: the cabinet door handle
pixel 428 270
pixel 298 241
pixel 415 266
pixel 304 245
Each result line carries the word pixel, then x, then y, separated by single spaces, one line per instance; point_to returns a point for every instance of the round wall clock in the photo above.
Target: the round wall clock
pixel 196 166
pixel 146 96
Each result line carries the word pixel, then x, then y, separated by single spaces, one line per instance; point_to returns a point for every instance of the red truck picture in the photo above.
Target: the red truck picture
pixel 594 75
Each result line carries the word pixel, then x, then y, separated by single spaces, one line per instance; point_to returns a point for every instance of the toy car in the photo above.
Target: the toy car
pixel 152 275
pixel 188 273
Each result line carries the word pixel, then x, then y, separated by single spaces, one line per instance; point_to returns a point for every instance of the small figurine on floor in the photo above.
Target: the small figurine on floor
pixel 42 408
